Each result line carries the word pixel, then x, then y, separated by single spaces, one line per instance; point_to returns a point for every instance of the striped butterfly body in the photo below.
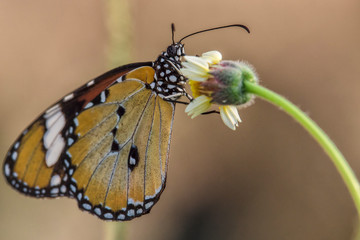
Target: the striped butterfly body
pixel 107 143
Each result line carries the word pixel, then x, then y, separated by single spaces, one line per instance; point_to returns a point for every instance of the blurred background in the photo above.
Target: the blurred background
pixel 267 180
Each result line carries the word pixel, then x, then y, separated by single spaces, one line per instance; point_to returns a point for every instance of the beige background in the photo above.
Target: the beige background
pixel 267 180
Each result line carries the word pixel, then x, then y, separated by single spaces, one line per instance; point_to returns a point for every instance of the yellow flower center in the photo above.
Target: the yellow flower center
pixel 195 88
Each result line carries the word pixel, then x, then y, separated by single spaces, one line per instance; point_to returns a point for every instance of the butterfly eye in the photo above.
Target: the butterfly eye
pixel 171 50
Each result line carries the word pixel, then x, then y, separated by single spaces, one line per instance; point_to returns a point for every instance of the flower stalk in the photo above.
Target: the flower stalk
pixel 317 133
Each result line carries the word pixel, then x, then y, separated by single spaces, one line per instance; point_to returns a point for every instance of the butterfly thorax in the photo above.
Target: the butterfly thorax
pixel 168 80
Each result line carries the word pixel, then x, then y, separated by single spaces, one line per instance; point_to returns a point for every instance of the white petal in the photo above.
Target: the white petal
pixel 212 57
pixel 198 106
pixel 197 63
pixel 225 118
pixel 234 113
pixel 194 75
pixel 230 116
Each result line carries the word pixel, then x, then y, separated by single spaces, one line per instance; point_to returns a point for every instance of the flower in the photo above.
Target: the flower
pixel 213 81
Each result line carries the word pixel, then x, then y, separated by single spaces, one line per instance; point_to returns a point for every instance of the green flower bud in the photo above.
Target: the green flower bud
pixel 229 77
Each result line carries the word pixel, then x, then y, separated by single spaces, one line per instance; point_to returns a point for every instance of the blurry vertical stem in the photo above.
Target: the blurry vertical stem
pixel 316 132
pixel 115 230
pixel 118 21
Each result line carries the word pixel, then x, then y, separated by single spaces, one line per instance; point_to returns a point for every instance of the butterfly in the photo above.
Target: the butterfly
pixel 107 143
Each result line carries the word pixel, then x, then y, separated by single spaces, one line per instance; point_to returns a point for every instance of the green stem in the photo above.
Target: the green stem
pixel 316 132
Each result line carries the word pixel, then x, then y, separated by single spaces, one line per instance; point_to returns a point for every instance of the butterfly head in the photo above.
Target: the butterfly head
pixel 175 50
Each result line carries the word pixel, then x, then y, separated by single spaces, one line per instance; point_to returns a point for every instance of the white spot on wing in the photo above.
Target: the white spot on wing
pixel 108 215
pixel 121 217
pixel 53 131
pixel 68 97
pixel 76 122
pixel 131 213
pixel 14 155
pixel 17 144
pixel 50 120
pixel 63 188
pixel 55 180
pixel 53 153
pixel 102 97
pixel 90 83
pixel 7 170
pixel 54 191
pixel 97 211
pixel 52 110
pixel 149 205
pixel 67 164
pixel 73 188
pixel 79 196
pixel 70 141
pixel 119 79
pixel 90 104
pixel 86 206
pixel 132 162
pixel 139 211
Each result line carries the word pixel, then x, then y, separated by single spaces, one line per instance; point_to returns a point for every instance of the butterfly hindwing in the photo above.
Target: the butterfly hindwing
pixel 120 173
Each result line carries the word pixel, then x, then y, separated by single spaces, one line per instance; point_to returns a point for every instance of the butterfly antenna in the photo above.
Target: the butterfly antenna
pixel 215 28
pixel 173 32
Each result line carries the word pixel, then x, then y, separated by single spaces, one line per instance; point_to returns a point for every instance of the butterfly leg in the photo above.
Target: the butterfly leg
pixel 176 101
pixel 188 96
pixel 210 112
pixel 177 95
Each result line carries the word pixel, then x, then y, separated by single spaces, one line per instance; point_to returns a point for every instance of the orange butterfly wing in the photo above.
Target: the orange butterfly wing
pixel 106 144
pixel 120 173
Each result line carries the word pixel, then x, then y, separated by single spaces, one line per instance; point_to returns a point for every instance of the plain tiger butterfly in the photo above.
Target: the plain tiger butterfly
pixel 107 143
